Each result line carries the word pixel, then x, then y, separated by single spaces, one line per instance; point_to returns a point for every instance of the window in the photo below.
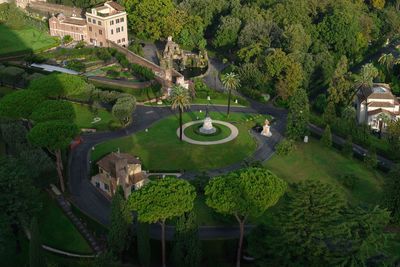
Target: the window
pixel 99 22
pixel 101 43
pixel 117 21
pixel 97 184
pixel 89 19
pixel 111 22
pixel 94 21
pixel 112 31
pixel 118 29
pixel 100 32
pixel 122 29
pixel 118 41
pixel 106 187
pixel 90 28
pixel 122 19
pixel 81 37
pixel 123 40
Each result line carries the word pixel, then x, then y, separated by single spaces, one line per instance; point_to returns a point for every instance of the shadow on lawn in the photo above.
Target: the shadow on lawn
pixel 11 43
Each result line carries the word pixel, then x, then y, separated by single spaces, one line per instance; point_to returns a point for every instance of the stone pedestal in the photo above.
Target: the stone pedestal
pixel 207 127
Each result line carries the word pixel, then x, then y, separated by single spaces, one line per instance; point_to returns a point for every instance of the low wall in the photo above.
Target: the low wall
pixel 49 9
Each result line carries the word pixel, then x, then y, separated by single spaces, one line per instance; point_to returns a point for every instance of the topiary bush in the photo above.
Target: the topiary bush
pixel 285 147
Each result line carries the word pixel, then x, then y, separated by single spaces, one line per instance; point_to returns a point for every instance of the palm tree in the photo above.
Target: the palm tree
pixel 387 60
pixel 231 82
pixel 365 80
pixel 383 120
pixel 180 99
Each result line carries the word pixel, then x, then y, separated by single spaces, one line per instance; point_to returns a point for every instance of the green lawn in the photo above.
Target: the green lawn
pixel 5 90
pixel 84 117
pixel 58 231
pixel 24 40
pixel 222 99
pixel 314 161
pixel 160 148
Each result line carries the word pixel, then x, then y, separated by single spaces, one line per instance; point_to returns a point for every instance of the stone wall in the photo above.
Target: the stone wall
pixel 48 9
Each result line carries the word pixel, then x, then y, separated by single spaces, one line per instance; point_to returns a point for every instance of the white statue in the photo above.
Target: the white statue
pixel 266 129
pixel 207 127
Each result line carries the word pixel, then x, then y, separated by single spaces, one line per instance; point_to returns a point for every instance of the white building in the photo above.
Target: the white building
pixel 376 103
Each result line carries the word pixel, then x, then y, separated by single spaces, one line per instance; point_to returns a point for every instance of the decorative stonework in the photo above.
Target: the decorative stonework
pixel 172 52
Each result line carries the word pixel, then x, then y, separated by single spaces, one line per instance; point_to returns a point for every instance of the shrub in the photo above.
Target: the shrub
pixel 103 54
pixel 285 147
pixel 76 65
pixel 326 138
pixel 136 48
pixel 80 44
pixel 67 39
pixel 320 103
pixel 348 180
pixel 145 73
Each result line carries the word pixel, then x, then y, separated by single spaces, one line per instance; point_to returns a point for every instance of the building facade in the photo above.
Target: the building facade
pixel 119 169
pixel 107 22
pixel 376 105
pixel 102 24
pixel 75 27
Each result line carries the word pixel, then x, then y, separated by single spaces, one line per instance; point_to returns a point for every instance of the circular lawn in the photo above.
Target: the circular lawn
pixel 161 150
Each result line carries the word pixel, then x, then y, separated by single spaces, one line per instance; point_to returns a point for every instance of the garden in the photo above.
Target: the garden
pixel 159 148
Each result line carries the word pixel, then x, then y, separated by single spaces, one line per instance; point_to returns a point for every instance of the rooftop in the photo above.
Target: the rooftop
pixel 108 162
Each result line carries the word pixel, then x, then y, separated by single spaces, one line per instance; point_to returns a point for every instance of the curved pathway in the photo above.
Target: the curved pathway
pixel 86 197
pixel 233 135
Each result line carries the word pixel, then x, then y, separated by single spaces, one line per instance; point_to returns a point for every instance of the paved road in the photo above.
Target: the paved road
pixel 87 198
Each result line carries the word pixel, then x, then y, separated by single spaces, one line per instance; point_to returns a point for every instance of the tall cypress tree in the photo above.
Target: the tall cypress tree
pixel 187 246
pixel 143 244
pixel 298 117
pixel 121 219
pixel 36 257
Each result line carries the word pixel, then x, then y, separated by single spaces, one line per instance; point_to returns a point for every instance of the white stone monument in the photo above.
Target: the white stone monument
pixel 266 129
pixel 207 127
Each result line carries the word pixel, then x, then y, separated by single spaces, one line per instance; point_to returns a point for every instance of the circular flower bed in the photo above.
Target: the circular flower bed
pixel 194 133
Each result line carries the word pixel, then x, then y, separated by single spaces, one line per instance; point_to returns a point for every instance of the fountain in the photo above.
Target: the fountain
pixel 207 127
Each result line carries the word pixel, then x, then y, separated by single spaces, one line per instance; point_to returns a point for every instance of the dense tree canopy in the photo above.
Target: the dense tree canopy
pixel 315 227
pixel 20 104
pixel 243 194
pixel 53 110
pixel 158 201
pixel 59 85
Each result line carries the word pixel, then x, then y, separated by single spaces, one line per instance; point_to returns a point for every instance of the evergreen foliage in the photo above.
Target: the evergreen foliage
pixel 158 201
pixel 316 227
pixel 298 117
pixel 243 194
pixel 326 138
pixel 187 246
pixel 120 223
